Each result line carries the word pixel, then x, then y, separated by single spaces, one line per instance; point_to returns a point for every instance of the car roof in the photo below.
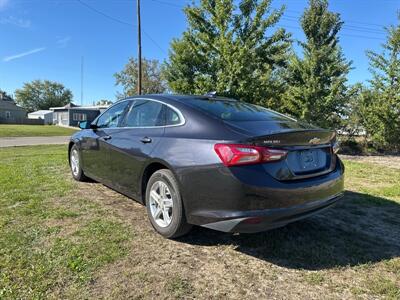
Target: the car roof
pixel 180 98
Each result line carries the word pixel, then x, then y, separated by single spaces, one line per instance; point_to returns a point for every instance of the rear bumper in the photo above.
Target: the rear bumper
pixel 262 220
pixel 247 199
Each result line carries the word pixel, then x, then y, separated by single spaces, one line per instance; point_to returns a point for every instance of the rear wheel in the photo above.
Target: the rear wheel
pixel 164 205
pixel 76 165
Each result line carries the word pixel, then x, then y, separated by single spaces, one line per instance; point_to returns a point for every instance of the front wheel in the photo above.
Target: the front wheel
pixel 75 163
pixel 164 205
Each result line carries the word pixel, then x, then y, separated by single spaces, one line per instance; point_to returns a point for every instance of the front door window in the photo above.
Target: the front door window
pixel 112 117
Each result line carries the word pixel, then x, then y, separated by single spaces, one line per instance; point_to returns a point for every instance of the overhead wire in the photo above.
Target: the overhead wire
pixel 290 18
pixel 120 22
pixel 352 28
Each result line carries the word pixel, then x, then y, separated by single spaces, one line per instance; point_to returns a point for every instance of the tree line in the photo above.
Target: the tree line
pixel 239 50
pixel 44 94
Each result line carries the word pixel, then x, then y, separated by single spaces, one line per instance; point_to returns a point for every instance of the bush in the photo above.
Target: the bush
pixel 350 146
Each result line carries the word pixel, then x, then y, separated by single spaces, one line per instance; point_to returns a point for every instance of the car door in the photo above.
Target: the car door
pixel 131 147
pixel 96 144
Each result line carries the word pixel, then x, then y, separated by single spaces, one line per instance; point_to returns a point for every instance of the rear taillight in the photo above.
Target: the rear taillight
pixel 237 154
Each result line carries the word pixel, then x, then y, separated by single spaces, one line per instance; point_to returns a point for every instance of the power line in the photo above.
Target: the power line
pixel 154 42
pixel 169 3
pixel 346 21
pixel 287 17
pixel 104 14
pixel 120 22
pixel 362 37
pixel 296 18
pixel 340 34
pixel 352 27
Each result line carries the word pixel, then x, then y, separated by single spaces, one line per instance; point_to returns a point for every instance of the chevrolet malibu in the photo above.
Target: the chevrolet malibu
pixel 206 160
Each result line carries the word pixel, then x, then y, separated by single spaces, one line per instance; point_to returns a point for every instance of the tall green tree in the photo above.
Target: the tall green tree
pixel 317 90
pixel 380 105
pixel 232 50
pixel 42 94
pixel 152 80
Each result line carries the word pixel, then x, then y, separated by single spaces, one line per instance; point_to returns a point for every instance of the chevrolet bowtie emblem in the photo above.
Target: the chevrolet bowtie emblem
pixel 314 141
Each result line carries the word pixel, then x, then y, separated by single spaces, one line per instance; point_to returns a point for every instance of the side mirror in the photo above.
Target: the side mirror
pixel 83 124
pixel 93 126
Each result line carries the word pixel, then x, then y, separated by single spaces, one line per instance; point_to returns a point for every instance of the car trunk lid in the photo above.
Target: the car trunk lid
pixel 309 148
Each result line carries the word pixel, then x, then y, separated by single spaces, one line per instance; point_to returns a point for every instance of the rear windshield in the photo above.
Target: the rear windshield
pixel 231 110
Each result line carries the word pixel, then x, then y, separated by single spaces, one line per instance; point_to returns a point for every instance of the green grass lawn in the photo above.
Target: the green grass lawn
pixel 34 130
pixel 49 236
pixel 64 239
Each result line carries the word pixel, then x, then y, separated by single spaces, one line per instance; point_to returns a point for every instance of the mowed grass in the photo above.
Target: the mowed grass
pixel 34 130
pixel 374 180
pixel 69 240
pixel 51 240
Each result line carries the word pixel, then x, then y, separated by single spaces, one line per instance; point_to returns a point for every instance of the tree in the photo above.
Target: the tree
pixel 226 49
pixel 380 105
pixel 4 96
pixel 104 102
pixel 38 94
pixel 317 90
pixel 354 112
pixel 152 82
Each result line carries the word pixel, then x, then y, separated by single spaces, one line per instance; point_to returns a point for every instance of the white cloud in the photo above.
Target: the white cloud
pixel 3 4
pixel 23 23
pixel 20 55
pixel 63 42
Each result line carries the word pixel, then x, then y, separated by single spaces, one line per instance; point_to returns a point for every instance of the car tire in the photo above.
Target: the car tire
pixel 162 192
pixel 75 163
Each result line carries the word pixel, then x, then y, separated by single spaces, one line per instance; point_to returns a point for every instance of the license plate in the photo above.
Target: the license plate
pixel 309 159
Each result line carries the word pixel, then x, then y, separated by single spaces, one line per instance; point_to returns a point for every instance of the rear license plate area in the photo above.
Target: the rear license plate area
pixel 309 160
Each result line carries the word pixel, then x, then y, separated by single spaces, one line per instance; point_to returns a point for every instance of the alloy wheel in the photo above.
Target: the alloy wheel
pixel 75 162
pixel 161 203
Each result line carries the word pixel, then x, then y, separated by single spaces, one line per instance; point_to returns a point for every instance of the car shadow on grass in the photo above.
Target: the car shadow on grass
pixel 360 229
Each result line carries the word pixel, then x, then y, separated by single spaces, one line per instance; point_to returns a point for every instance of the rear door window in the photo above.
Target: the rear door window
pixel 144 113
pixel 171 116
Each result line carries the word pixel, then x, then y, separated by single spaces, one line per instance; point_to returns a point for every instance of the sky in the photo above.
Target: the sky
pixel 47 39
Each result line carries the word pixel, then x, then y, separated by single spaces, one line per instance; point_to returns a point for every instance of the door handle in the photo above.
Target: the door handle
pixel 106 137
pixel 145 140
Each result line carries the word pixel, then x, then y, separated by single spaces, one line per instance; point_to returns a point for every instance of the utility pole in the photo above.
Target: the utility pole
pixel 139 86
pixel 81 80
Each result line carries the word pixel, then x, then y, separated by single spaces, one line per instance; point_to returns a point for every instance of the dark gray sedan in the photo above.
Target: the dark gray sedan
pixel 210 161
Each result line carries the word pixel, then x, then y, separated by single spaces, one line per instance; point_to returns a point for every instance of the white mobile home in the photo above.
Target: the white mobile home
pixel 45 115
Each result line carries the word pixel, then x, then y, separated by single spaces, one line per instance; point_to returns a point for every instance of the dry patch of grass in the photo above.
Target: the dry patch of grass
pixel 381 286
pixel 385 161
pixel 62 239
